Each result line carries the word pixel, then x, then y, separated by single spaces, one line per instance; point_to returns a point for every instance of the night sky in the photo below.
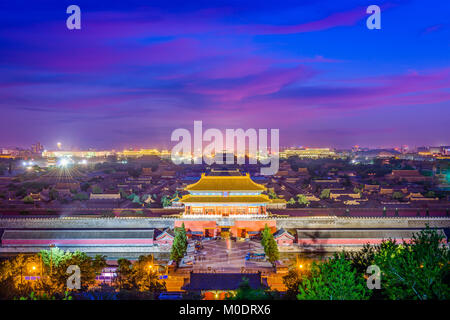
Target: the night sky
pixel 139 69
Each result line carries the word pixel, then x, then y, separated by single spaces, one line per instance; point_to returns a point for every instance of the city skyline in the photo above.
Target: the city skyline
pixel 134 74
pixel 159 148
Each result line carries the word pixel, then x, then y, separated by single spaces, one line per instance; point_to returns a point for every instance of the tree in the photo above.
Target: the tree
pixel 89 268
pixel 81 196
pixel 165 201
pixel 144 275
pixel 12 273
pixel 136 199
pixel 416 270
pixel 179 245
pixel 356 190
pixel 334 279
pixel 325 194
pixel 291 202
pixel 97 189
pixel 246 292
pixel 28 200
pixel 363 258
pixel 124 268
pixel 54 256
pixel 430 194
pixel 272 250
pixel 265 235
pixel 270 245
pixel 291 281
pixel 302 201
pixel 272 194
pixel 397 195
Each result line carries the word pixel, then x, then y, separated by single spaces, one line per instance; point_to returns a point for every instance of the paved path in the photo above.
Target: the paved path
pixel 228 256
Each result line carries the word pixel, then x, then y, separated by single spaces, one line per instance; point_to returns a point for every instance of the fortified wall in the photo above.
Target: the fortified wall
pixel 122 236
pixel 170 222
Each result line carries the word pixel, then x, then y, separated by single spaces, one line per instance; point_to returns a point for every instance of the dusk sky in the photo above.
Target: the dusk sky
pixel 137 70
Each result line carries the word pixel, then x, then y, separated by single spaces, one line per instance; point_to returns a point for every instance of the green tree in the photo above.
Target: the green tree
pixel 270 245
pixel 291 202
pixel 334 279
pixel 272 250
pixel 80 196
pixel 363 258
pixel 325 194
pixel 89 268
pixel 136 199
pixel 246 292
pixel 179 245
pixel 28 200
pixel 415 270
pixel 166 202
pixel 97 189
pixel 265 233
pixel 430 194
pixel 397 195
pixel 302 201
pixel 272 194
pixel 54 256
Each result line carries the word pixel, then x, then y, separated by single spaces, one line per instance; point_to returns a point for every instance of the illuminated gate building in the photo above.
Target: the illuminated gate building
pixel 233 202
pixel 234 195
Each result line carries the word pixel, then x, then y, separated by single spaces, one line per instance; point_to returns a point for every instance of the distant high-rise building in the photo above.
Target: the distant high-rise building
pixel 37 148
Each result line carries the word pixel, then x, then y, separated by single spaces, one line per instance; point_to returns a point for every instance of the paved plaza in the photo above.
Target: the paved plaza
pixel 227 256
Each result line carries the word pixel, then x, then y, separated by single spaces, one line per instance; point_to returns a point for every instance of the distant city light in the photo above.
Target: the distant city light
pixel 84 161
pixel 63 162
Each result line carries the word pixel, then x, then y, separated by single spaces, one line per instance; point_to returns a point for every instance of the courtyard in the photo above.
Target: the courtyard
pixel 226 255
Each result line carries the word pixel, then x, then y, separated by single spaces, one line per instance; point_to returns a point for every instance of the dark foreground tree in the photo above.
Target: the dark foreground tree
pixel 335 279
pixel 416 270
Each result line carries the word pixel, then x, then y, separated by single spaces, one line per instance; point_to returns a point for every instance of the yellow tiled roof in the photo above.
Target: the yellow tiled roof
pixel 225 183
pixel 229 199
